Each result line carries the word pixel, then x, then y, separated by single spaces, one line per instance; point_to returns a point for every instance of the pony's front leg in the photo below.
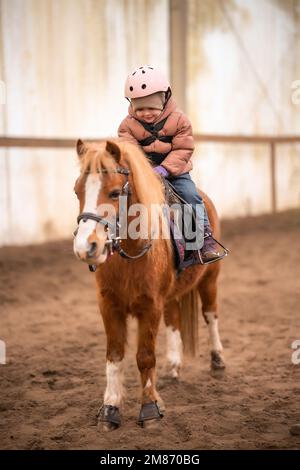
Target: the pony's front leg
pixel 148 322
pixel 116 330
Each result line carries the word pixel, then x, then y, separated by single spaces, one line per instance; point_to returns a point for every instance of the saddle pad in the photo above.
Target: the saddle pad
pixel 182 258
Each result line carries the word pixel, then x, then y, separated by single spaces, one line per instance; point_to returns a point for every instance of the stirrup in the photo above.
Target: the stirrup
pixel 220 257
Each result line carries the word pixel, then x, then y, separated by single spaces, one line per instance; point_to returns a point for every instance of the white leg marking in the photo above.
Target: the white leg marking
pixel 114 387
pixel 148 384
pixel 174 350
pixel 92 188
pixel 213 330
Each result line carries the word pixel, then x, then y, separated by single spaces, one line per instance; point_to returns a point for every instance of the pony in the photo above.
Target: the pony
pixel 140 279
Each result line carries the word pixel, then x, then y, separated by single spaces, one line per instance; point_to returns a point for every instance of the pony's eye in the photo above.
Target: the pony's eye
pixel 114 194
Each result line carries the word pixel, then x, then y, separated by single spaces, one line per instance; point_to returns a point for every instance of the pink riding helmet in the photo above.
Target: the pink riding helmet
pixel 145 81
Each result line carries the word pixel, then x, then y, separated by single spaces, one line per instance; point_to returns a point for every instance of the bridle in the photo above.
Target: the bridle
pixel 113 231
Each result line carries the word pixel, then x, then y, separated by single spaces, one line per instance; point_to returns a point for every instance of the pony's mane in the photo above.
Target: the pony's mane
pixel 92 158
pixel 146 185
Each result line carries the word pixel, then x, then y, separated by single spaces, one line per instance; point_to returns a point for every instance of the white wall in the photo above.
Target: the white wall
pixel 243 56
pixel 64 63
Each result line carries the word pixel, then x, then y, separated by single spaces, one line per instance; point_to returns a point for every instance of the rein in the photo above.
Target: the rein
pixel 114 240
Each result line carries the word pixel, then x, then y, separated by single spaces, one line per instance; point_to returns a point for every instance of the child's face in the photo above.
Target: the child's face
pixel 147 114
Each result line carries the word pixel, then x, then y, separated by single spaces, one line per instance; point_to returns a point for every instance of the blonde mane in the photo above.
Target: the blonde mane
pixel 146 185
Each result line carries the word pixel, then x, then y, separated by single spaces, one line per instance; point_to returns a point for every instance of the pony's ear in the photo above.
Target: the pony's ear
pixel 113 149
pixel 80 147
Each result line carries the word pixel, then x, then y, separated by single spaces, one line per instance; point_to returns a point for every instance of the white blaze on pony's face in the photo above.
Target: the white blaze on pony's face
pixel 89 243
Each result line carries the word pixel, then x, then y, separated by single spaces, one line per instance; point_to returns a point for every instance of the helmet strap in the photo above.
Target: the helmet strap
pixel 167 96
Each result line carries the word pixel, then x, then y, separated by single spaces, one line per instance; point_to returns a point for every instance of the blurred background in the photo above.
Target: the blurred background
pixel 234 68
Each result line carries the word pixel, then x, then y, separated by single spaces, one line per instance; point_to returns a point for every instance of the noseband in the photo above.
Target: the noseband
pixel 113 233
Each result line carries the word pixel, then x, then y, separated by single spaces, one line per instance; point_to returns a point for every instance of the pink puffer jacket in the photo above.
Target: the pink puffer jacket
pixel 179 151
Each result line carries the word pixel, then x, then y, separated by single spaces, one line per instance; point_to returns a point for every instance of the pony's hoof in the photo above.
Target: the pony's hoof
pixel 217 363
pixel 109 417
pixel 150 415
pixel 175 372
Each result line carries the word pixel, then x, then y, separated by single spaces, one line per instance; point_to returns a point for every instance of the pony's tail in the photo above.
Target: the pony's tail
pixel 189 309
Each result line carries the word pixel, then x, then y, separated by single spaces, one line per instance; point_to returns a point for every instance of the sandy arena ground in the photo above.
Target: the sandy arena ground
pixel 52 384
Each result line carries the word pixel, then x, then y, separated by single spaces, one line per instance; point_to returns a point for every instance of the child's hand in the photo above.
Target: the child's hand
pixel 162 171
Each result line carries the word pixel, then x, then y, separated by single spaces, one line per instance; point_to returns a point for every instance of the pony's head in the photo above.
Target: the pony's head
pixel 107 170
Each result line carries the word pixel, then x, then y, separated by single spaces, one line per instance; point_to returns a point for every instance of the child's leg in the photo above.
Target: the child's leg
pixel 186 189
pixel 206 221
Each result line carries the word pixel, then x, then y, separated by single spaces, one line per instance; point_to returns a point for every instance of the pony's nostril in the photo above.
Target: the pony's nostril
pixel 93 249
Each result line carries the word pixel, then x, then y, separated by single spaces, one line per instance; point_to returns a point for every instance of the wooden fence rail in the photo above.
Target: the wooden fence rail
pixel 271 141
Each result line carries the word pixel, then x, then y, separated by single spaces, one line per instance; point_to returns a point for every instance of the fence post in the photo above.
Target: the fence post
pixel 178 44
pixel 273 176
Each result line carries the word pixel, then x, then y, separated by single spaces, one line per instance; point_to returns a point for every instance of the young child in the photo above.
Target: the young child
pixel 165 134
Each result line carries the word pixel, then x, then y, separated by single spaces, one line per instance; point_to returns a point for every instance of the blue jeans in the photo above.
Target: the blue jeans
pixel 186 189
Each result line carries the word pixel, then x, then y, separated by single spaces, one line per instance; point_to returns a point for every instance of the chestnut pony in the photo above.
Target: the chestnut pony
pixel 140 279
